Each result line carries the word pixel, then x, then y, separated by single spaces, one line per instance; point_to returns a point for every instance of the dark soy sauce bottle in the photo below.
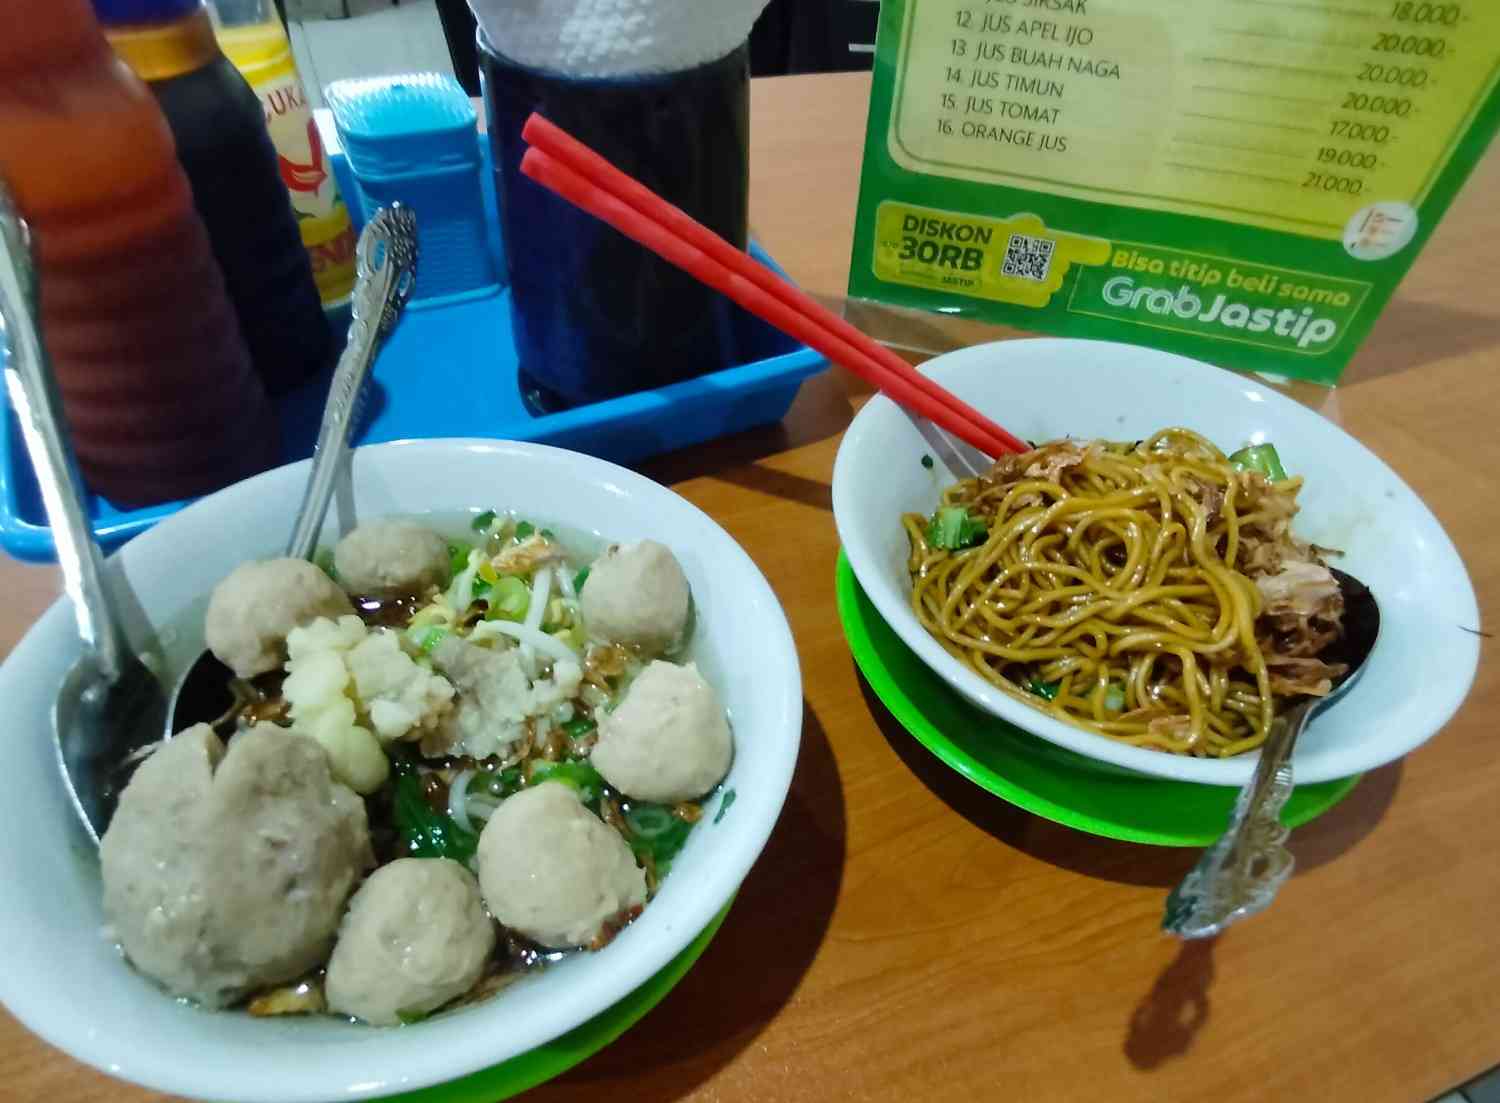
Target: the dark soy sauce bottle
pixel 225 149
pixel 595 315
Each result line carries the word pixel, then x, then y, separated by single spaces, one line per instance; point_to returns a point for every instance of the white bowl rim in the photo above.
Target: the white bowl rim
pixel 452 1046
pixel 897 614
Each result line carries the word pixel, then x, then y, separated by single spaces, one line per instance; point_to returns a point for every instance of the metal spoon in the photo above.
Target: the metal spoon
pixel 386 265
pixel 1241 873
pixel 109 704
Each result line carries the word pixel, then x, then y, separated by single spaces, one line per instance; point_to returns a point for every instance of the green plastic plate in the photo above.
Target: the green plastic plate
pixel 1031 773
pixel 537 1066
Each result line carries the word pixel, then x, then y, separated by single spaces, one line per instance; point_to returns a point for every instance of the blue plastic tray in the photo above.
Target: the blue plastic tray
pixel 450 371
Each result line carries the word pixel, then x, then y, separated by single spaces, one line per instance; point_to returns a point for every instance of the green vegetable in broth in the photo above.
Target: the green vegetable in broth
pixel 425 832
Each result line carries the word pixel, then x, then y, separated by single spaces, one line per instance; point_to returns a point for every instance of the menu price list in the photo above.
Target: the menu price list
pixel 1289 115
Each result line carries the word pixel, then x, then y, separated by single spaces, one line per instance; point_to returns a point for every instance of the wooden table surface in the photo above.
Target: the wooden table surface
pixel 907 936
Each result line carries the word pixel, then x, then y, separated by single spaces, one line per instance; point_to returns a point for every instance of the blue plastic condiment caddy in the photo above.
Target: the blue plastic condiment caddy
pixel 412 138
pixel 449 370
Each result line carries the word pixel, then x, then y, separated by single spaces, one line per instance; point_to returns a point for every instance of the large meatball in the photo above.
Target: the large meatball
pixel 390 558
pixel 553 871
pixel 416 936
pixel 226 872
pixel 637 594
pixel 253 609
pixel 668 740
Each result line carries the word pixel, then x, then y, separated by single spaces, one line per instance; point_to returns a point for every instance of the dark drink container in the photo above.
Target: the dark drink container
pixel 239 191
pixel 594 314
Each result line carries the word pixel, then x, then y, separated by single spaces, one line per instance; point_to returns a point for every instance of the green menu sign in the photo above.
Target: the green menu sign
pixel 1243 181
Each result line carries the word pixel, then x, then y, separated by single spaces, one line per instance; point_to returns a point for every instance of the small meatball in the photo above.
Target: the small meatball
pixel 668 740
pixel 390 559
pixel 253 609
pixel 637 594
pixel 553 871
pixel 416 936
pixel 228 871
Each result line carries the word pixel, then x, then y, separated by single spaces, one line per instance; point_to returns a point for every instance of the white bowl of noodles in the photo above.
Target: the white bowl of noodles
pixel 1045 389
pixel 67 982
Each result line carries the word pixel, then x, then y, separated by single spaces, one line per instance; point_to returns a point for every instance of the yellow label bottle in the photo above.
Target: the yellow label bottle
pixel 260 50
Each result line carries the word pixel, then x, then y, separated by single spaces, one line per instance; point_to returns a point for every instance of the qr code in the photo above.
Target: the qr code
pixel 1027 257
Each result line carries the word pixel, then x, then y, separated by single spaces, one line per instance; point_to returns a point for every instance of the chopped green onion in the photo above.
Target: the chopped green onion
pixel 576 773
pixel 508 598
pixel 1262 459
pixel 549 534
pixel 952 528
pixel 481 588
pixel 577 729
pixel 1114 698
pixel 409 1017
pixel 571 637
pixel 579 579
pixel 524 529
pixel 483 522
pixel 656 831
pixel 724 802
pixel 1047 691
pixel 324 561
pixel 431 638
pixel 458 556
pixel 649 821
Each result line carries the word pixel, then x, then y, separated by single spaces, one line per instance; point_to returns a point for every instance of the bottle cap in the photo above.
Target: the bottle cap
pixel 410 122
pixel 114 13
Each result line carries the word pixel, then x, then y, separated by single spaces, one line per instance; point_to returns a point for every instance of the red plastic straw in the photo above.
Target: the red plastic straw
pixel 572 170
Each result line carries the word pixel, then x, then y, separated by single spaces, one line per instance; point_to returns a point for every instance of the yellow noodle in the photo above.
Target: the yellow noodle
pixel 1115 576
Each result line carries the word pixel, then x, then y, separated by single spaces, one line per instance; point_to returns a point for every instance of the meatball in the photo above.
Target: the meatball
pixel 551 870
pixel 391 558
pixel 253 609
pixel 637 594
pixel 416 936
pixel 668 740
pixel 228 871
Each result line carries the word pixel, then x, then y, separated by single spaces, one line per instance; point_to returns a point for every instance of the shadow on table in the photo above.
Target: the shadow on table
pixel 1338 831
pixel 1411 333
pixel 1314 844
pixel 1166 1021
pixel 820 410
pixel 782 484
pixel 755 963
pixel 1169 1017
pixel 1090 855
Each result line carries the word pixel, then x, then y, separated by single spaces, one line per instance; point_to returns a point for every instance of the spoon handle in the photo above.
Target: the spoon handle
pixel 1241 873
pixel 386 265
pixel 32 387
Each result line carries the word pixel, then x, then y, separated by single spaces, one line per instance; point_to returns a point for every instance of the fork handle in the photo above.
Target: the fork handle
pixel 1241 873
pixel 32 387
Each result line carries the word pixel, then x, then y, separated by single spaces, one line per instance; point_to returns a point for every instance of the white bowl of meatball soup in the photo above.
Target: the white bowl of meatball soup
pixel 497 760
